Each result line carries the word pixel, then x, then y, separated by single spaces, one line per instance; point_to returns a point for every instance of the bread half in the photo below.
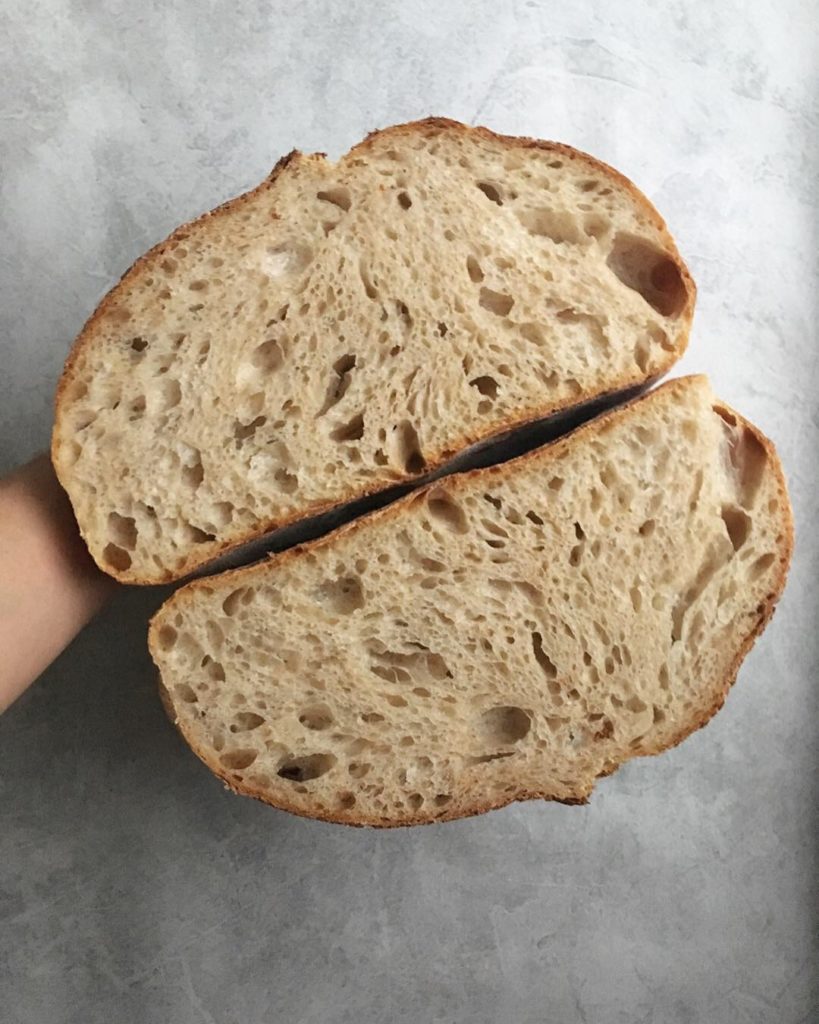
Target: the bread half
pixel 347 326
pixel 511 633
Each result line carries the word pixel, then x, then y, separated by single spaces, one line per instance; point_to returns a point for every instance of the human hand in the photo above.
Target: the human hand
pixel 49 585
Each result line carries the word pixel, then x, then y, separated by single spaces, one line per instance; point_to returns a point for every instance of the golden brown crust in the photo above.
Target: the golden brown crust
pixel 203 554
pixel 457 810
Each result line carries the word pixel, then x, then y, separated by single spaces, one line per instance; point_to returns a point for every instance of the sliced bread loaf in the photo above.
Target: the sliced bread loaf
pixel 346 326
pixel 510 633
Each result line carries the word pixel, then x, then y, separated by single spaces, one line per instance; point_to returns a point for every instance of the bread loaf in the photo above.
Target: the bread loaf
pixel 512 633
pixel 346 326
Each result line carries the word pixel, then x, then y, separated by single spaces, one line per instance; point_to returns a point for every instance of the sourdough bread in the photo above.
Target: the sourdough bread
pixel 347 326
pixel 511 633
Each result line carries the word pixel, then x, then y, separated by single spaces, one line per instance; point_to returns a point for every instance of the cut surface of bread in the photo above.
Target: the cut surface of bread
pixel 346 326
pixel 510 633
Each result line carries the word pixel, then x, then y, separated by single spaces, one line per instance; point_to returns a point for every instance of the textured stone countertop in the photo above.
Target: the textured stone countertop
pixel 133 887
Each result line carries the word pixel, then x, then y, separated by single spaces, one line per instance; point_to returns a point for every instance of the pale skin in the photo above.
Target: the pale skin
pixel 49 585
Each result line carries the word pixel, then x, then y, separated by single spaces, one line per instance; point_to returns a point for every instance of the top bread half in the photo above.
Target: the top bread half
pixel 348 326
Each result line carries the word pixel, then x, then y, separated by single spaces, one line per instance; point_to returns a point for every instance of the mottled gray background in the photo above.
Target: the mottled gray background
pixel 132 887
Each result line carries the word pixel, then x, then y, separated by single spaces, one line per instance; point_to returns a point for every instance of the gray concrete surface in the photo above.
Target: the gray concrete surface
pixel 133 888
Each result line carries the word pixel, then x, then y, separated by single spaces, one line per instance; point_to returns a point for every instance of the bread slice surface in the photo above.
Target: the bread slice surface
pixel 347 326
pixel 511 633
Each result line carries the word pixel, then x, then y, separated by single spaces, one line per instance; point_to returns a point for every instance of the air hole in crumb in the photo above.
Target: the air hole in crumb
pixel 596 226
pixel 246 721
pixel 761 565
pixel 346 800
pixel 197 536
pixel 404 201
pixel 542 658
pixel 505 725
pixel 342 595
pixel 116 557
pixel 167 637
pixel 339 196
pixel 193 474
pixel 316 717
pixel 169 393
pixel 487 758
pixel 491 192
pixel 238 759
pixel 557 225
pixel 533 333
pixel 690 430
pixel 496 302
pixel 748 458
pixel 214 669
pixel 237 598
pixel 404 448
pixel 642 351
pixel 486 385
pixel 647 528
pixel 268 356
pixel 445 509
pixel 122 530
pixel 222 513
pixel 139 344
pixel 340 383
pixel 304 769
pixel 404 314
pixel 366 279
pixel 473 268
pixel 288 482
pixel 358 770
pixel 137 407
pixel 415 800
pixel 352 430
pixel 737 525
pixel 442 799
pixel 647 270
pixel 185 693
pixel 533 517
